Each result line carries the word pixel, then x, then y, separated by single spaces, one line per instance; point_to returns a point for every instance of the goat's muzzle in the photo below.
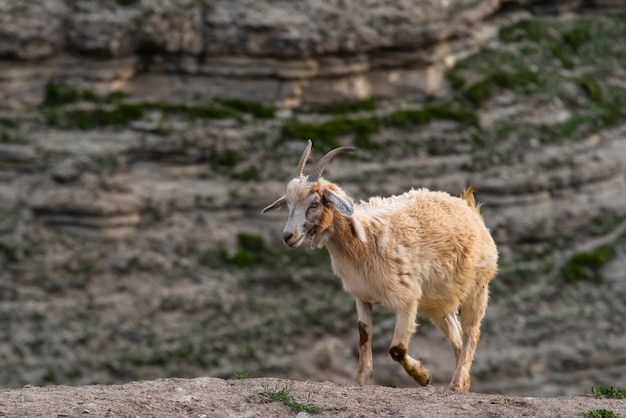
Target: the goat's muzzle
pixel 292 240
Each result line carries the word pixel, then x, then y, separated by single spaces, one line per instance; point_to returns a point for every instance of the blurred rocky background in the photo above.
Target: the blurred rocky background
pixel 139 140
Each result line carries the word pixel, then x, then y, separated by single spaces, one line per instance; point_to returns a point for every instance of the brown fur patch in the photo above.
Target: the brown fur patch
pixel 363 334
pixel 398 353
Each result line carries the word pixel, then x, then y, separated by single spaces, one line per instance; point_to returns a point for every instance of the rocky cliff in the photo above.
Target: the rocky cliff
pixel 139 140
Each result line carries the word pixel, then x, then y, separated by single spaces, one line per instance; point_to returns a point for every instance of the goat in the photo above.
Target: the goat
pixel 419 253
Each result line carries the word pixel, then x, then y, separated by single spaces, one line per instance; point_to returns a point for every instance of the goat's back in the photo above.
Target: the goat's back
pixel 440 238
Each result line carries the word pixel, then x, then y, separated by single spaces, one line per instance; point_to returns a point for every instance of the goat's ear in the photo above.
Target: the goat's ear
pixel 279 203
pixel 343 203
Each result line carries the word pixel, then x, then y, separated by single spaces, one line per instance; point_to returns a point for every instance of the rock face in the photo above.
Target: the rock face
pixel 283 53
pixel 132 176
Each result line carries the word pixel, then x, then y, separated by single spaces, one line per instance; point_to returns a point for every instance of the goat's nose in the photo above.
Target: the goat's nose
pixel 287 236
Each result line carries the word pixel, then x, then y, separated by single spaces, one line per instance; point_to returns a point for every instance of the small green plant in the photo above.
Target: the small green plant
pixel 591 87
pixel 9 123
pixel 126 2
pixel 11 252
pixel 526 30
pixel 575 38
pixel 12 137
pixel 284 395
pixel 248 174
pixel 608 392
pixel 600 413
pixel 482 90
pixel 227 159
pixel 242 376
pixel 587 265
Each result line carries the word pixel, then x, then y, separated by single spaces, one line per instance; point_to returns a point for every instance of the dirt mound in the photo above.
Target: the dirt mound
pixel 211 397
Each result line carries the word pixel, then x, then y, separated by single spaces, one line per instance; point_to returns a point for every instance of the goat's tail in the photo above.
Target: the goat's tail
pixel 468 196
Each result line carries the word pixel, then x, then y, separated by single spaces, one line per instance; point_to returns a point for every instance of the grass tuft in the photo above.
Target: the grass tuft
pixel 608 392
pixel 600 413
pixel 284 395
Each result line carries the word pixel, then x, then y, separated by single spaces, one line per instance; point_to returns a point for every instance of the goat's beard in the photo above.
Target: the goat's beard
pixel 317 240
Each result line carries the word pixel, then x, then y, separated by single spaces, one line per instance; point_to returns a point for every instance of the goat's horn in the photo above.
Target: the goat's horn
pixel 304 157
pixel 318 169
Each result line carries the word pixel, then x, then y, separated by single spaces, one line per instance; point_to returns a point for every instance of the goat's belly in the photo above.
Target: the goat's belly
pixel 362 292
pixel 440 299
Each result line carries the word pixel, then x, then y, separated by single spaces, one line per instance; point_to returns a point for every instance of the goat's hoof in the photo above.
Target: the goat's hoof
pixel 458 387
pixel 424 379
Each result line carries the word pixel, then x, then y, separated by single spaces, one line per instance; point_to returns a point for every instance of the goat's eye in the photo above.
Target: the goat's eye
pixel 314 205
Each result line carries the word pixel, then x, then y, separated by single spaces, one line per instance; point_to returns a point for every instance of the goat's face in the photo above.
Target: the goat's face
pixel 311 210
pixel 310 201
pixel 306 211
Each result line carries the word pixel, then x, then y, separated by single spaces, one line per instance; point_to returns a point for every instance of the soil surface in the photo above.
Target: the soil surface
pixel 215 398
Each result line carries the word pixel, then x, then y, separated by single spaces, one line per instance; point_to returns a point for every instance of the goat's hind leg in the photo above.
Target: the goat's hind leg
pixel 365 324
pixel 451 328
pixel 399 350
pixel 472 312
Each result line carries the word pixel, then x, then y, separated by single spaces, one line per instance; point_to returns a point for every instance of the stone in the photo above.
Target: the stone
pixel 78 211
pixel 18 157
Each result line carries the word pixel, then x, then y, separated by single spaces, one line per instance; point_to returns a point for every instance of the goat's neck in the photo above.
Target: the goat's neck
pixel 343 240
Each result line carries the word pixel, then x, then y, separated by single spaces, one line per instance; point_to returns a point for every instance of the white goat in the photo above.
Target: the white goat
pixel 421 252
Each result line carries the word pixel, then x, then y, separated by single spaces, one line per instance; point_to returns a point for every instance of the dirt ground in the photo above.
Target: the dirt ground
pixel 216 398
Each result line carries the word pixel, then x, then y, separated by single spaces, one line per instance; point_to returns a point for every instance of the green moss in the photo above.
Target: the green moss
pixel 256 109
pixel 527 30
pixel 194 111
pixel 12 137
pixel 227 159
pixel 365 142
pixel 251 242
pixel 328 133
pixel 591 87
pixel 9 123
pixel 408 118
pixel 587 266
pixel 122 113
pixel 325 134
pixel 573 128
pixel 482 90
pixel 449 111
pixel 479 92
pixel 456 80
pixel 344 108
pixel 57 94
pixel 613 113
pixel 488 59
pixel 97 117
pixel 252 173
pixel 11 252
pixel 576 37
pixel 127 2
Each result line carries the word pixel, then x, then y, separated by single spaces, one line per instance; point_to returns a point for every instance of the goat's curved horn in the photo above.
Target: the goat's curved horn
pixel 318 168
pixel 303 158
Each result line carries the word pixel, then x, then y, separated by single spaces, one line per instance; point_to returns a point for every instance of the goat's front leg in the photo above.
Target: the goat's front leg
pixel 399 350
pixel 366 363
